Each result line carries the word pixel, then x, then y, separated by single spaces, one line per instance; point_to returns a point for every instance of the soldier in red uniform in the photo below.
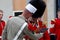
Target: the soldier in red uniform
pixel 43 25
pixel 36 29
pixel 2 23
pixel 56 28
pixel 31 26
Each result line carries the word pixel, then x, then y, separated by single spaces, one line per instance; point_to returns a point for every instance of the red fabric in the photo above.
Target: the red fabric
pixel 52 30
pixel 56 29
pixel 52 22
pixel 2 25
pixel 26 37
pixel 45 35
pixel 40 24
pixel 31 27
pixel 10 16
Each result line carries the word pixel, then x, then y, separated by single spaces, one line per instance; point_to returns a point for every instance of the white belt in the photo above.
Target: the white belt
pixel 20 31
pixel 52 34
pixel 0 36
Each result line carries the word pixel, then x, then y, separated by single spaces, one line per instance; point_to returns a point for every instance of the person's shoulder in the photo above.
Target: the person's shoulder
pixel 17 20
pixel 14 18
pixel 3 21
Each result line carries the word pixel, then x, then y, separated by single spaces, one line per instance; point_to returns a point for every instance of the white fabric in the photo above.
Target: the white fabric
pixel 0 36
pixel 52 34
pixel 31 8
pixel 20 31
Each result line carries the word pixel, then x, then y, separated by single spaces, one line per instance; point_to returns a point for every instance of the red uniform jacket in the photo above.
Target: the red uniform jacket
pixel 45 35
pixel 34 28
pixel 56 28
pixel 2 24
pixel 31 27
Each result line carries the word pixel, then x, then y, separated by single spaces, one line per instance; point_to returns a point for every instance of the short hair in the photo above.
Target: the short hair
pixel 1 11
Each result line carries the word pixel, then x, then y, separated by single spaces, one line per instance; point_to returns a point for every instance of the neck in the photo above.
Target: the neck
pixel 26 16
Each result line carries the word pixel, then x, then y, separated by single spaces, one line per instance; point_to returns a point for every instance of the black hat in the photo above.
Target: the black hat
pixel 37 7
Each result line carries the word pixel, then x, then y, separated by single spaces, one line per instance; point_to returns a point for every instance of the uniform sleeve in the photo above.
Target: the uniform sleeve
pixel 31 35
pixel 46 36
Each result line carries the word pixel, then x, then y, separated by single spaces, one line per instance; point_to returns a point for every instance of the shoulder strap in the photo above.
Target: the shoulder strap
pixel 20 31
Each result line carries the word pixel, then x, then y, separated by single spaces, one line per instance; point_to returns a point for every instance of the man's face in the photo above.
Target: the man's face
pixel 27 13
pixel 59 14
pixel 1 15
